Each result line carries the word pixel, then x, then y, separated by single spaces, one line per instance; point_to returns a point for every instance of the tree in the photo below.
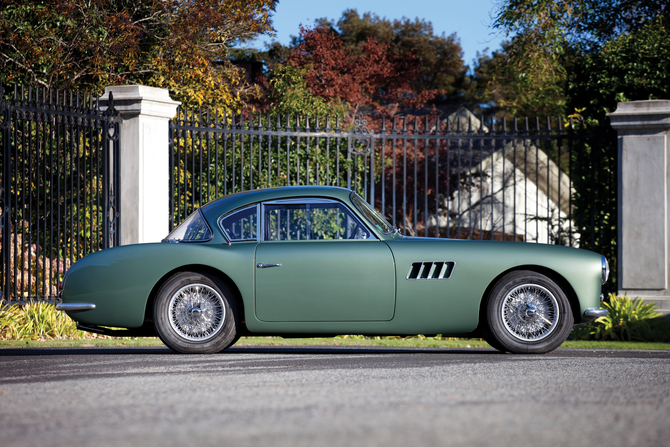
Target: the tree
pixel 290 95
pixel 441 57
pixel 87 44
pixel 392 64
pixel 370 74
pixel 484 91
pixel 548 35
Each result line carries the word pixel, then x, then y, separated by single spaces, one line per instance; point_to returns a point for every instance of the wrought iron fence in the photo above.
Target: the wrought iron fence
pixel 461 176
pixel 58 183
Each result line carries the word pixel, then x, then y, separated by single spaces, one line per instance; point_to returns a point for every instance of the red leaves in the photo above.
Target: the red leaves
pixel 370 74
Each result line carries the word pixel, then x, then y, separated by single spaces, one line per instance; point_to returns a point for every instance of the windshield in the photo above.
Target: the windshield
pixel 193 229
pixel 371 214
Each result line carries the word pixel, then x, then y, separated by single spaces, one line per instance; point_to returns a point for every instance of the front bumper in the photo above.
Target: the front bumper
pixel 592 314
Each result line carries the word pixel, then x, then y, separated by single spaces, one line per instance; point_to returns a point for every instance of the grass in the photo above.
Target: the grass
pixel 40 325
pixel 278 341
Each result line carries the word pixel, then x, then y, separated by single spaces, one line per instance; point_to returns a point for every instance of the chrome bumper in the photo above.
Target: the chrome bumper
pixel 67 307
pixel 595 313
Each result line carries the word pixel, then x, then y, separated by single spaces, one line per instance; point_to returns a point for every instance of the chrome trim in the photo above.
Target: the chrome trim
pixel 300 201
pixel 67 307
pixel 260 265
pixel 606 269
pixel 196 312
pixel 530 312
pixel 595 313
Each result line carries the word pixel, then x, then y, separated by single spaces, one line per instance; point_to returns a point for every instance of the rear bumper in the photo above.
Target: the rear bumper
pixel 67 307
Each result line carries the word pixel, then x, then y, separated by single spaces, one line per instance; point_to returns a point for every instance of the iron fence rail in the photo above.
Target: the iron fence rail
pixel 460 176
pixel 58 181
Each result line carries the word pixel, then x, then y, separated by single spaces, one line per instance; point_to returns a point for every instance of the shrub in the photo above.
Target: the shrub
pixel 628 320
pixel 38 320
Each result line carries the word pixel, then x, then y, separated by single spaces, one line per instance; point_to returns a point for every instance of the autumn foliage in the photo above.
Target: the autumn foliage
pixel 370 74
pixel 89 44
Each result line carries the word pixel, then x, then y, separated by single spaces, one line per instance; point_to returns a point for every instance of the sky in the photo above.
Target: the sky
pixel 471 20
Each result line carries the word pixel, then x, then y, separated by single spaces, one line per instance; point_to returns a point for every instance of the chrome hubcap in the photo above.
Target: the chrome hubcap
pixel 196 312
pixel 530 312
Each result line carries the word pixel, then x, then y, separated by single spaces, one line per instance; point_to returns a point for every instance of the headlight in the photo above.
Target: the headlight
pixel 606 269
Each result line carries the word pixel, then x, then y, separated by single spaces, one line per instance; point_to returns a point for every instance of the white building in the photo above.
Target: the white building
pixel 515 193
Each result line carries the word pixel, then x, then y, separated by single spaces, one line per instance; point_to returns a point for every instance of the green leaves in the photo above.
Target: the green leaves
pixel 628 320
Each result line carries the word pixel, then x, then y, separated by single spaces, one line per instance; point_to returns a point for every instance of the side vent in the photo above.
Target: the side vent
pixel 431 270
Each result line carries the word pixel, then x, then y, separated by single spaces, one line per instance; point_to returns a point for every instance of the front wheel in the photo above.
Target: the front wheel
pixel 195 314
pixel 528 312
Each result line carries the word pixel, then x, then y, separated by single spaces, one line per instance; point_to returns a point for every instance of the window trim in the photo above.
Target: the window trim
pixel 258 222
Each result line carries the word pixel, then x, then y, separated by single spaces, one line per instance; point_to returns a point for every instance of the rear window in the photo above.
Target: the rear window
pixel 193 229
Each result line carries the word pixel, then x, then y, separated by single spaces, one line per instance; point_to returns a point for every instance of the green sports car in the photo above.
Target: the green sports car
pixel 320 261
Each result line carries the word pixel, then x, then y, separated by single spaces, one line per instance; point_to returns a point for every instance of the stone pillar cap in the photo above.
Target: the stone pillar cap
pixel 642 115
pixel 132 100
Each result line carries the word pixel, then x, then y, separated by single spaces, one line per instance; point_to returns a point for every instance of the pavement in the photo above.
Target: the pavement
pixel 333 396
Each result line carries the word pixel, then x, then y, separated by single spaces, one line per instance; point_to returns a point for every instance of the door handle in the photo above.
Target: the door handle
pixel 260 265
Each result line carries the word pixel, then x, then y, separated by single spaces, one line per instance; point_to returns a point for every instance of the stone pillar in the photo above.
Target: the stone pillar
pixel 144 157
pixel 643 129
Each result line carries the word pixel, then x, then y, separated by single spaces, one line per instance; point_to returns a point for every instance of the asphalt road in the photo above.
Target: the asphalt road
pixel 334 396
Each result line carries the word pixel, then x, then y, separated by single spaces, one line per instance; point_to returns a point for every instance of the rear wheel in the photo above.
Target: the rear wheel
pixel 195 313
pixel 528 312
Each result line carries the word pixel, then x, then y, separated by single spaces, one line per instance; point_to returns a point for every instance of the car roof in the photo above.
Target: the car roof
pixel 240 199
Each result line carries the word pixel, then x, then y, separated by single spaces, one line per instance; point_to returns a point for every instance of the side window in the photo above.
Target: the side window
pixel 193 229
pixel 242 225
pixel 311 221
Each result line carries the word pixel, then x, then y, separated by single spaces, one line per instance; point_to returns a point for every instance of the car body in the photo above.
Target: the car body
pixel 319 261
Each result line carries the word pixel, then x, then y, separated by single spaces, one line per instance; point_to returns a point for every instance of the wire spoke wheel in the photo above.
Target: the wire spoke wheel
pixel 530 312
pixel 196 312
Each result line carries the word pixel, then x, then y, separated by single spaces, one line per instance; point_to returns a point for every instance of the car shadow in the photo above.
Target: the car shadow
pixel 241 350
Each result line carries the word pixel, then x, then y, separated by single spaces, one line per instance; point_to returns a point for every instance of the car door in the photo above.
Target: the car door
pixel 317 261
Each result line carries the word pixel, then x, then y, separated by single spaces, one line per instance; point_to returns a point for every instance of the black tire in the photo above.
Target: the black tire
pixel 494 344
pixel 528 313
pixel 195 314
